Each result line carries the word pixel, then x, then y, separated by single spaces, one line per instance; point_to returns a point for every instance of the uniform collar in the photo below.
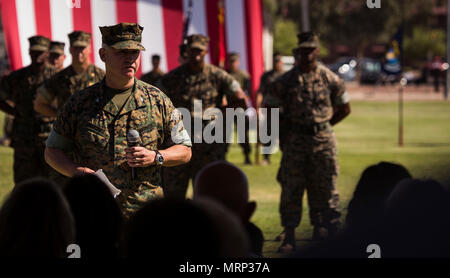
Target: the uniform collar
pixel 136 100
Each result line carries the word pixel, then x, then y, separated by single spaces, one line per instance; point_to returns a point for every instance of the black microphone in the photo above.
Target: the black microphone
pixel 133 141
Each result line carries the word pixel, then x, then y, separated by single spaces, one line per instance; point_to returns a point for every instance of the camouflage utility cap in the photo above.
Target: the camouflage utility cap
pixel 233 56
pixel 39 43
pixel 79 39
pixel 198 41
pixel 57 47
pixel 123 36
pixel 308 40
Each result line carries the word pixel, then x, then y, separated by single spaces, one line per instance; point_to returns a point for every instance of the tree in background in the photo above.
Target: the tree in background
pixel 424 44
pixel 285 36
pixel 352 23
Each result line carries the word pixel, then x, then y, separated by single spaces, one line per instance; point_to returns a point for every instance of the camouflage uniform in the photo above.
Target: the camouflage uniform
pixel 268 78
pixel 29 128
pixel 65 83
pixel 243 79
pixel 95 130
pixel 183 86
pixel 152 77
pixel 309 160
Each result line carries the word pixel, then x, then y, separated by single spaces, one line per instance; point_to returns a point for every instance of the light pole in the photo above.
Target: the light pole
pixel 305 16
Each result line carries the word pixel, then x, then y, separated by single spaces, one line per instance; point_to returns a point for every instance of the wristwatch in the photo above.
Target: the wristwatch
pixel 159 159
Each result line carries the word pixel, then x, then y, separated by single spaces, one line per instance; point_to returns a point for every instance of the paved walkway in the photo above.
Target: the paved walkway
pixel 390 92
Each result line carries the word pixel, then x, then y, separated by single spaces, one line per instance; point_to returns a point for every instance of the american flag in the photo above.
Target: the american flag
pixel 162 20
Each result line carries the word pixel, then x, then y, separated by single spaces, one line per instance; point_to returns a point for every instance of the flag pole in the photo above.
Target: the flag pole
pixel 447 72
pixel 402 85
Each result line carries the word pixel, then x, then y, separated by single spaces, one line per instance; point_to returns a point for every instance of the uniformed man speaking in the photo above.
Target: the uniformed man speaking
pixel 313 99
pixel 94 124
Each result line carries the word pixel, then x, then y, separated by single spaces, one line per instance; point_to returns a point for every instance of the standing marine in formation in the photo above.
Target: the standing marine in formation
pixel 244 81
pixel 196 81
pixel 30 129
pixel 313 99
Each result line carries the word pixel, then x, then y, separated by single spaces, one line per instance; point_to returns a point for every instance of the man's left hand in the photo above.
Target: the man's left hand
pixel 140 157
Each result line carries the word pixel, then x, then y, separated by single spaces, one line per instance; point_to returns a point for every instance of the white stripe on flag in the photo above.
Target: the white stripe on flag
pixel 150 17
pixel 198 24
pixel 235 30
pixel 103 13
pixel 27 27
pixel 62 24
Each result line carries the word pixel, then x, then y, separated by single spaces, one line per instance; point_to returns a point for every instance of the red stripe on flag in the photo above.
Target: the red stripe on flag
pixel 11 31
pixel 254 29
pixel 82 21
pixel 222 34
pixel 127 12
pixel 173 30
pixel 212 19
pixel 42 17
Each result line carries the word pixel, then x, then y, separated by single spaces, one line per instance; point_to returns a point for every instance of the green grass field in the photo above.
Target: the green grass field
pixel 367 136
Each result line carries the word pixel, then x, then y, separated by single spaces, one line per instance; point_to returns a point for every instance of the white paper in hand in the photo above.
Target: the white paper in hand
pixel 114 190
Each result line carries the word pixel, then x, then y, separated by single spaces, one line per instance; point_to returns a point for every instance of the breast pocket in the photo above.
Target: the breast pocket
pixel 321 94
pixel 94 137
pixel 149 136
pixel 321 102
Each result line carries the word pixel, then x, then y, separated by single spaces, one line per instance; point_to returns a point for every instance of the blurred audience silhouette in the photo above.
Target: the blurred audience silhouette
pixel 35 221
pixel 98 219
pixel 227 184
pixel 404 217
pixel 184 229
pixel 417 221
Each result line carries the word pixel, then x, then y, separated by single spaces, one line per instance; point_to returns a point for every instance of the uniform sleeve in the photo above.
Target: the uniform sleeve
pixel 339 95
pixel 57 141
pixel 262 82
pixel 5 88
pixel 248 84
pixel 174 131
pixel 228 84
pixel 65 126
pixel 45 93
pixel 275 94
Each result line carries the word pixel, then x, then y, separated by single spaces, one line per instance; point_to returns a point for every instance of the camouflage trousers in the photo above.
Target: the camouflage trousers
pixel 176 179
pixel 314 171
pixel 29 162
pixel 133 198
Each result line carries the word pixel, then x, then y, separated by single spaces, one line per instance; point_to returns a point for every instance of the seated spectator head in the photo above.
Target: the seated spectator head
pixel 365 210
pixel 97 215
pixel 232 237
pixel 417 221
pixel 227 184
pixel 36 221
pixel 168 228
